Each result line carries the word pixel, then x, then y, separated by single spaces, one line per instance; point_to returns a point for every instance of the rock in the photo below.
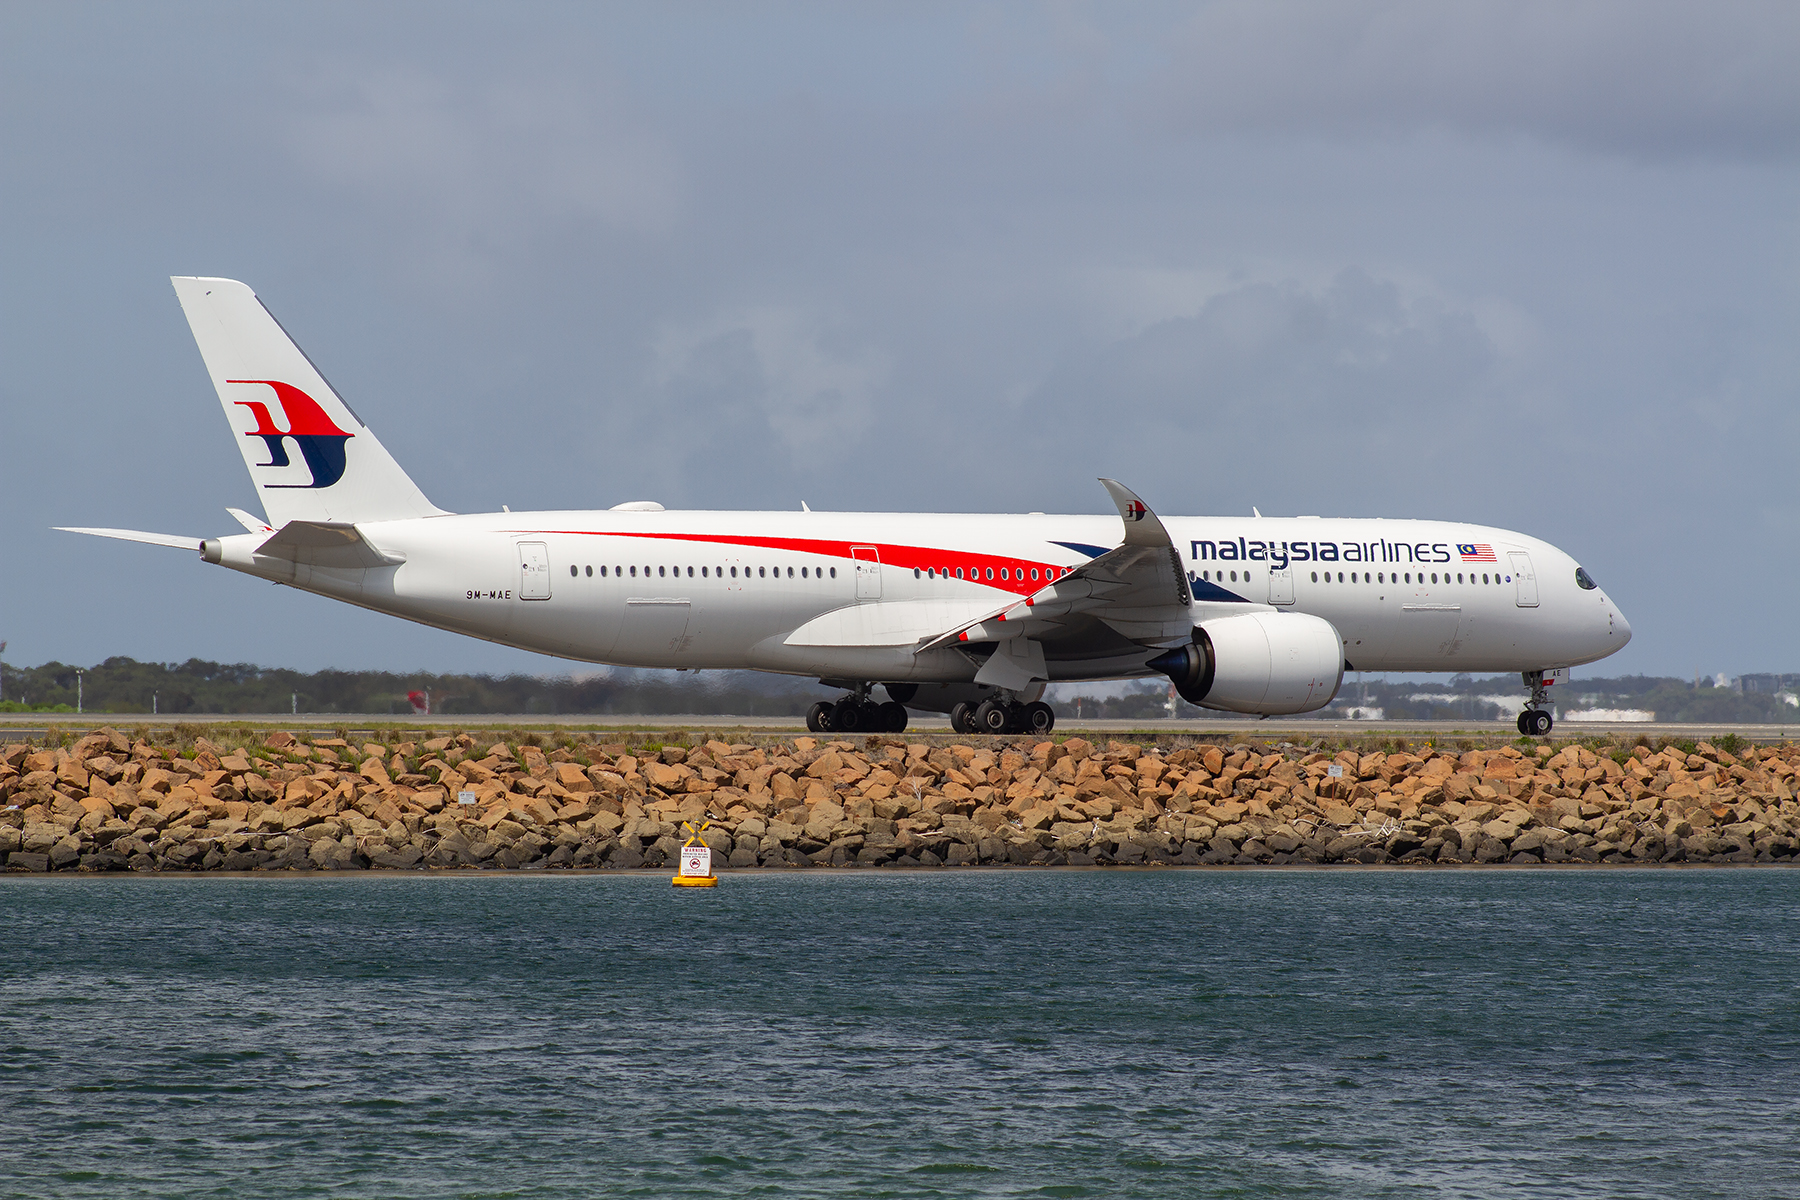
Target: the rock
pixel 328 854
pixel 25 860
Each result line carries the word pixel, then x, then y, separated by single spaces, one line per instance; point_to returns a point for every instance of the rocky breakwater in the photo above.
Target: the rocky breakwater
pixel 111 803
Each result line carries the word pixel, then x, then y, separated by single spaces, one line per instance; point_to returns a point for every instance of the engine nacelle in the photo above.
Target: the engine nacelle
pixel 1269 663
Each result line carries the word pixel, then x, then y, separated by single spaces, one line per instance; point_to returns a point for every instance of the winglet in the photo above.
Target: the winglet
pixel 1142 527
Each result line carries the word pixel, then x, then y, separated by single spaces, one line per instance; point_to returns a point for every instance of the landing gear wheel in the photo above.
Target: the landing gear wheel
pixel 893 717
pixel 848 717
pixel 1523 731
pixel 992 717
pixel 818 717
pixel 1538 723
pixel 962 717
pixel 1039 718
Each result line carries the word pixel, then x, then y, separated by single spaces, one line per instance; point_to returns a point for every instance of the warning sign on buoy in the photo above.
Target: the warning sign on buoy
pixel 695 869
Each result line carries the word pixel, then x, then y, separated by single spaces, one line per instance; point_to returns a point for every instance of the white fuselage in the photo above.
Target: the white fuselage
pixel 852 595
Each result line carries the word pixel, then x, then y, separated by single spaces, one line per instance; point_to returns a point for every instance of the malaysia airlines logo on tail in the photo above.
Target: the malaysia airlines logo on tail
pixel 1476 553
pixel 1135 511
pixel 321 442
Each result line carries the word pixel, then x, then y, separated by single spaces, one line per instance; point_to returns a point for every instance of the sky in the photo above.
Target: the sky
pixel 1527 264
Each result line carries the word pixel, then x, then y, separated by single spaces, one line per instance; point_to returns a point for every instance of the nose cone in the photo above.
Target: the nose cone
pixel 1611 629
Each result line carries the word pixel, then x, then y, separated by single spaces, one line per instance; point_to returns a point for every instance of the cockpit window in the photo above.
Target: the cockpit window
pixel 1583 580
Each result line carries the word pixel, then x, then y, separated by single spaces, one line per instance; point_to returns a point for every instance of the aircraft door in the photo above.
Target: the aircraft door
pixel 1524 578
pixel 534 571
pixel 868 572
pixel 1281 586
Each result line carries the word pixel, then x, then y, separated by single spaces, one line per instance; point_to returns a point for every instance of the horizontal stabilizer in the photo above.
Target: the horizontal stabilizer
pixel 328 544
pixel 137 535
pixel 253 524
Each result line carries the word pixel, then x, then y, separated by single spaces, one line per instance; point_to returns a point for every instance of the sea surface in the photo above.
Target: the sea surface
pixel 1287 1032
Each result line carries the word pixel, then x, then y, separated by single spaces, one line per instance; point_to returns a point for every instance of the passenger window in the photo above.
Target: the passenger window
pixel 1315 577
pixel 634 572
pixel 959 573
pixel 734 572
pixel 571 570
pixel 762 572
pixel 834 572
pixel 590 572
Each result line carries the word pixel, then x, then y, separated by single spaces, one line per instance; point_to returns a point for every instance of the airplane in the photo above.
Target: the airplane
pixel 965 614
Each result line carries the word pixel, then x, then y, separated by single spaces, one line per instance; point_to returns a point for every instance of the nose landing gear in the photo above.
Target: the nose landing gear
pixel 1536 721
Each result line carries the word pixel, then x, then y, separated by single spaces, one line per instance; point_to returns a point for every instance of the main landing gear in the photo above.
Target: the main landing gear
pixel 856 713
pixel 1001 716
pixel 1536 721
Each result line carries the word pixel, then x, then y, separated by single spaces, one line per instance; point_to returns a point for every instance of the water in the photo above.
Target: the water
pixel 1043 1033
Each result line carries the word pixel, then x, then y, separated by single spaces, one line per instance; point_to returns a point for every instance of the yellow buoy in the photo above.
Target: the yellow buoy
pixel 695 868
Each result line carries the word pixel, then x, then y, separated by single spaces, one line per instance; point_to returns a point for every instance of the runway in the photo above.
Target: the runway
pixel 14 726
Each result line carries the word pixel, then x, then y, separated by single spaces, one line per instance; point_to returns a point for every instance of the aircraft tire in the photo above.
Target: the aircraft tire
pixel 893 717
pixel 1541 722
pixel 992 717
pixel 818 717
pixel 962 717
pixel 848 717
pixel 1523 732
pixel 1039 717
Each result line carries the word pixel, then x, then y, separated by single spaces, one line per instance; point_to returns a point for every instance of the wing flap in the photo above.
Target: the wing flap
pixel 1138 588
pixel 885 623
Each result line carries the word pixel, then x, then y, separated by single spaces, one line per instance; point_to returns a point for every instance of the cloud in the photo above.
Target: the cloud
pixel 1306 375
pixel 1640 78
pixel 488 162
pixel 812 386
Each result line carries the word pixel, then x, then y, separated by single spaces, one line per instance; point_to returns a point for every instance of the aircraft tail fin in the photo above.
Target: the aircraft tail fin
pixel 310 456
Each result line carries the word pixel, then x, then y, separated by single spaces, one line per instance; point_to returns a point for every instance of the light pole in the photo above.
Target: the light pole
pixel 78 674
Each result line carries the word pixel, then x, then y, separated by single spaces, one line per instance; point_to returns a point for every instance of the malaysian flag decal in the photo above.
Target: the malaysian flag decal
pixel 1476 553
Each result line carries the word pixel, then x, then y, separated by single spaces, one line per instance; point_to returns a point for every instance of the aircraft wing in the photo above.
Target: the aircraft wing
pixel 1138 589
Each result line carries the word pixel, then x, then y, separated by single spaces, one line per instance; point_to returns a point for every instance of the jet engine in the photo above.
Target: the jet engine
pixel 1268 663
